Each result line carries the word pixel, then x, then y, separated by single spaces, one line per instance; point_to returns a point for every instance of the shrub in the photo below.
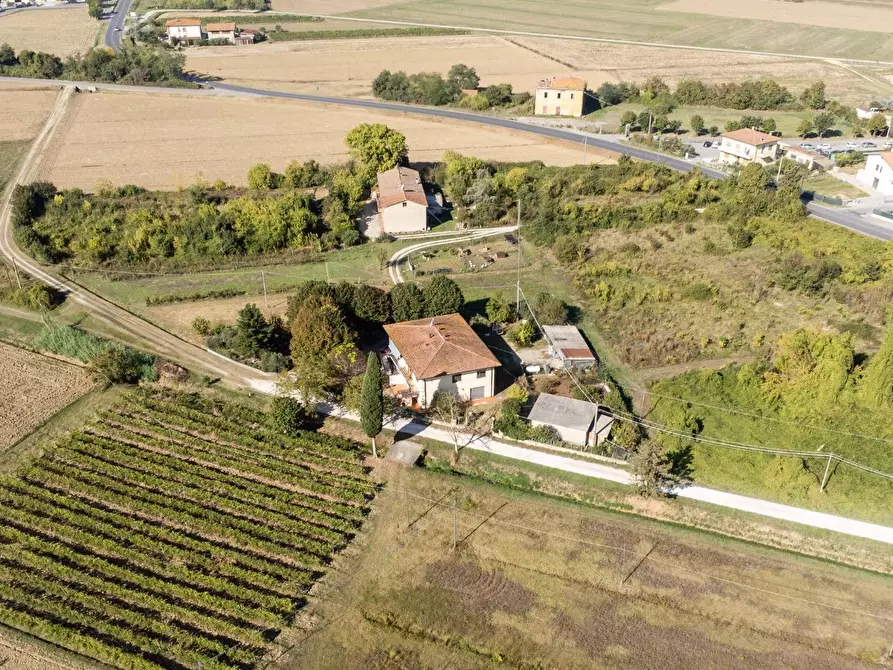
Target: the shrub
pixel 261 177
pixel 288 416
pixel 201 326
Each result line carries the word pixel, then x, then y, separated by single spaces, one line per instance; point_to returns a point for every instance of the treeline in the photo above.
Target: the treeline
pixel 763 94
pixel 432 88
pixel 135 65
pixel 277 35
pixel 217 5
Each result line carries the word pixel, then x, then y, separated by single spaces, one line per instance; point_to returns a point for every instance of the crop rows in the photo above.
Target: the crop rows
pixel 168 536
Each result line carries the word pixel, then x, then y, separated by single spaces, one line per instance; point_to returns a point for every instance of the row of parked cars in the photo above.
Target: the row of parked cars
pixel 826 148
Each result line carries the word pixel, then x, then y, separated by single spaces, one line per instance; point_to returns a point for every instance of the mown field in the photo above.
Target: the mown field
pixel 63 31
pixel 638 20
pixel 174 532
pixel 537 582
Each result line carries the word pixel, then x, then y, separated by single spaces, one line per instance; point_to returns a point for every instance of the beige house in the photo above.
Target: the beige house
pixel 222 31
pixel 184 30
pixel 748 146
pixel 560 96
pixel 878 172
pixel 813 160
pixel 439 353
pixel 401 200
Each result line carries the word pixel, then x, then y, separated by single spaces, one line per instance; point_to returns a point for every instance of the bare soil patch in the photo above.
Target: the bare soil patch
pixel 853 16
pixel 178 317
pixel 163 141
pixel 23 110
pixel 59 31
pixel 347 67
pixel 34 388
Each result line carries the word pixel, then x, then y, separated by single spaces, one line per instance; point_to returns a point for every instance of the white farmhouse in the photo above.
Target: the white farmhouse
pixel 184 30
pixel 748 146
pixel 222 31
pixel 440 353
pixel 878 172
pixel 402 203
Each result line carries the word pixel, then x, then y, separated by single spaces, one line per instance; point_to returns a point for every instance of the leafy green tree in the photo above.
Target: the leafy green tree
pixel 499 310
pixel 116 365
pixel 322 347
pixel 7 55
pixel 610 94
pixel 805 128
pixel 201 326
pixel 460 173
pixel 628 118
pixel 261 177
pixel 376 148
pixel 524 333
pixel 550 310
pixel 372 402
pixel 94 9
pixel 463 76
pixel 288 416
pixel 697 124
pixel 652 470
pixel 823 122
pixel 442 296
pixel 814 96
pixel 877 124
pixel 407 302
pixel 303 175
pixel 391 86
pixel 371 304
pixel 769 125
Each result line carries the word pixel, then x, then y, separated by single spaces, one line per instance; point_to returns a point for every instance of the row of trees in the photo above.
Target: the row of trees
pixel 431 88
pixel 133 64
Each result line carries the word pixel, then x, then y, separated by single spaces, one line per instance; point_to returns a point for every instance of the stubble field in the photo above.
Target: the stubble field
pixel 34 387
pixel 62 31
pixel 164 141
pixel 23 110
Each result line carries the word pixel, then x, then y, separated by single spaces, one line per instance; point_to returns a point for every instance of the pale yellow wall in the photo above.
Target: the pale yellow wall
pixel 549 100
pixel 409 219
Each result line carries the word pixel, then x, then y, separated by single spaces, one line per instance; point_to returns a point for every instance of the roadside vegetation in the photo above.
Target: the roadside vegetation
pixel 176 531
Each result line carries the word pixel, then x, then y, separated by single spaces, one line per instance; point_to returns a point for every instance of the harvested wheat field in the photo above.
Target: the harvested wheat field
pixel 163 141
pixel 851 15
pixel 621 62
pixel 34 388
pixel 63 31
pixel 23 110
pixel 347 67
pixel 326 6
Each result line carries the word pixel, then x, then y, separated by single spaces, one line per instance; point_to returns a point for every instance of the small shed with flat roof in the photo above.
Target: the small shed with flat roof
pixel 577 421
pixel 566 343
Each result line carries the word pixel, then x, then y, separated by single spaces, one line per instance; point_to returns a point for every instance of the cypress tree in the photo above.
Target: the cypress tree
pixel 372 403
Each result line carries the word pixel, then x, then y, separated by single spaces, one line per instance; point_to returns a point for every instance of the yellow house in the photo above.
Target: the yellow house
pixel 560 96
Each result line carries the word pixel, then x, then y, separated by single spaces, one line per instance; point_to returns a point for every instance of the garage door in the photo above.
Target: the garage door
pixel 477 393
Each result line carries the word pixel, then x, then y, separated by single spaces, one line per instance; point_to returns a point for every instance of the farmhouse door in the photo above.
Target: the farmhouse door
pixel 558 111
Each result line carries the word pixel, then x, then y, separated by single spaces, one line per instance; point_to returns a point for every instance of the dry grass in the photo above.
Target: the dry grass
pixel 23 110
pixel 326 6
pixel 162 141
pixel 855 16
pixel 34 388
pixel 178 317
pixel 619 62
pixel 58 31
pixel 522 586
pixel 347 67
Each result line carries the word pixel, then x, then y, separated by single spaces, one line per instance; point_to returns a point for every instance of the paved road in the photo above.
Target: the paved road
pixel 113 36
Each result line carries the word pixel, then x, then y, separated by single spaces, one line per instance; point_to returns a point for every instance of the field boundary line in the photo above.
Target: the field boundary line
pixel 604 40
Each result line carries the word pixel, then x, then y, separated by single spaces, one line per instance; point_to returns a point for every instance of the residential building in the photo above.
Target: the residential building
pixel 867 114
pixel 878 172
pixel 246 36
pixel 184 30
pixel 221 31
pixel 560 96
pixel 577 421
pixel 748 146
pixel 439 353
pixel 813 160
pixel 567 344
pixel 401 200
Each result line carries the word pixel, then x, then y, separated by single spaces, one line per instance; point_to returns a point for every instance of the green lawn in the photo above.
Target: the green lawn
pixel 829 185
pixel 638 20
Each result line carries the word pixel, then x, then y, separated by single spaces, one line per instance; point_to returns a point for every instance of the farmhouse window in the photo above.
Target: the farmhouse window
pixel 559 96
pixel 545 94
pixel 482 374
pixel 457 378
pixel 572 96
pixel 404 204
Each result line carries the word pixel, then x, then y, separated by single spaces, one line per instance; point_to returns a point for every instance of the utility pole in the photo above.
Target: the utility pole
pixel 585 140
pixel 827 472
pixel 15 269
pixel 455 504
pixel 650 119
pixel 518 282
pixel 328 279
pixel 263 279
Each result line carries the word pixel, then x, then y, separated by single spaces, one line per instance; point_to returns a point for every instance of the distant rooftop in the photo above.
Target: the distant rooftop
pixel 557 410
pixel 220 27
pixel 568 342
pixel 750 136
pixel 400 184
pixel 566 83
pixel 183 23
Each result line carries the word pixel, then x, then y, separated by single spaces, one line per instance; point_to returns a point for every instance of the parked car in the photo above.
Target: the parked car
pixel 852 145
pixel 869 145
pixel 888 145
pixel 824 147
pixel 708 143
pixel 807 145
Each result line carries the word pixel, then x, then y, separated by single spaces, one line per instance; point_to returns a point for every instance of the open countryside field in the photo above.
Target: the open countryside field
pixel 638 20
pixel 62 31
pixel 146 139
pixel 167 536
pixel 347 67
pixel 34 388
pixel 535 582
pixel 23 110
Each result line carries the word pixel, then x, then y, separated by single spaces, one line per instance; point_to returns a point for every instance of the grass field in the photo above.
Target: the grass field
pixel 829 185
pixel 165 535
pixel 10 155
pixel 638 20
pixel 535 582
pixel 34 388
pixel 146 134
pixel 62 32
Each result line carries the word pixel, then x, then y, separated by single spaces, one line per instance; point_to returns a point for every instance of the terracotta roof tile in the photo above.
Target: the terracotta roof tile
pixel 220 27
pixel 888 157
pixel 750 136
pixel 572 83
pixel 442 345
pixel 400 184
pixel 182 23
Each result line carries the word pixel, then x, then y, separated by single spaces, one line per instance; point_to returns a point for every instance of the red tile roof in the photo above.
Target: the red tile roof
pixel 750 136
pixel 888 157
pixel 183 23
pixel 571 83
pixel 400 184
pixel 442 345
pixel 220 27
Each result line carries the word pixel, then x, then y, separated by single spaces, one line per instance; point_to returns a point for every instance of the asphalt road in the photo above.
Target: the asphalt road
pixel 113 36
